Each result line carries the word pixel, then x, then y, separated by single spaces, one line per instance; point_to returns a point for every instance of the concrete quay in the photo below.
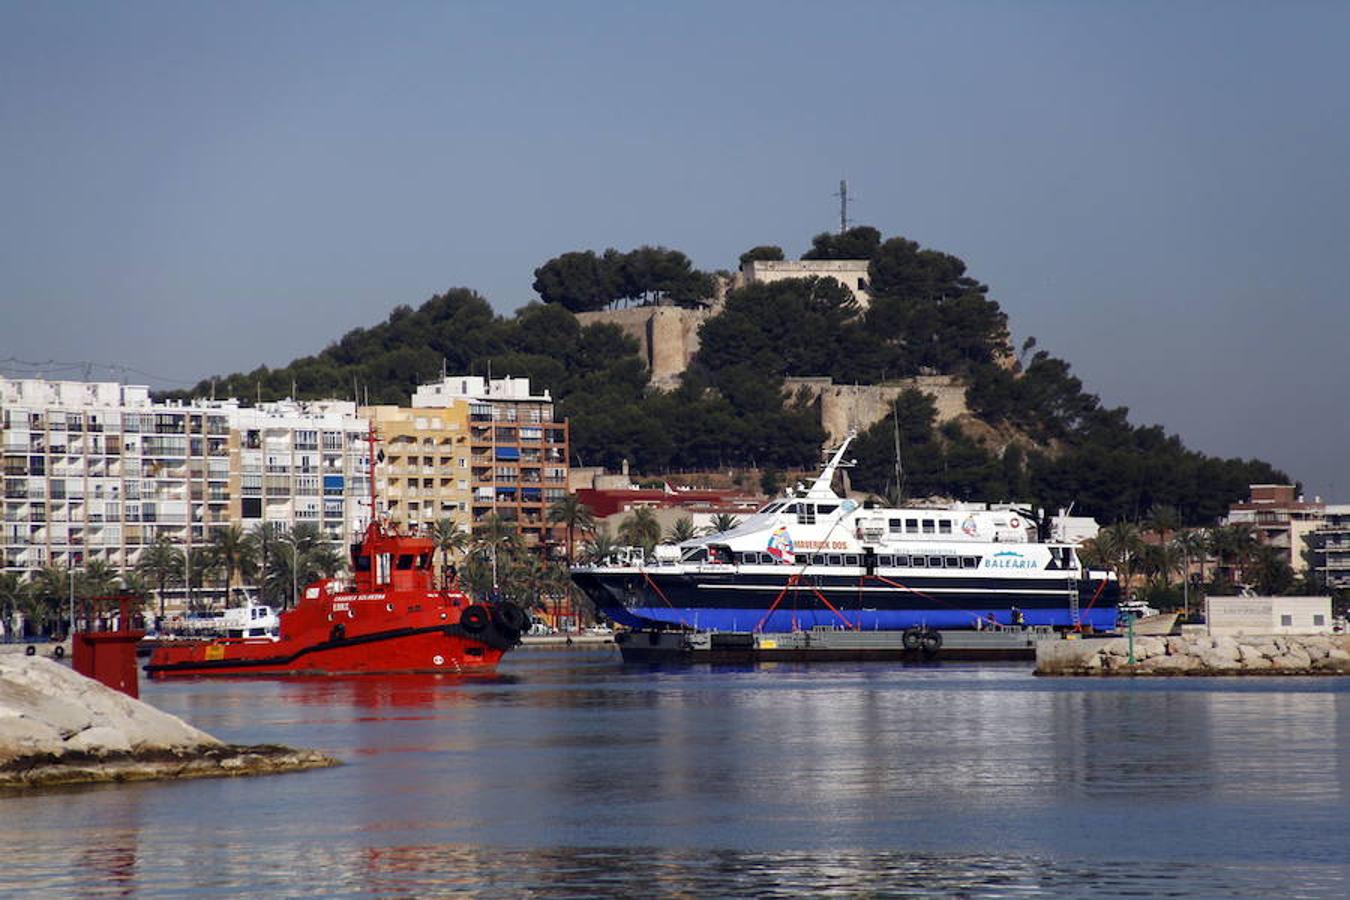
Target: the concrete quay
pixel 1197 654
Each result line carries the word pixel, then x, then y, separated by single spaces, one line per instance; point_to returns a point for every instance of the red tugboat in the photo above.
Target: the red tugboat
pixel 391 620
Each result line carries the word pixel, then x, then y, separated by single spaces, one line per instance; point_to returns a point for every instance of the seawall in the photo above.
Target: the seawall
pixel 1198 654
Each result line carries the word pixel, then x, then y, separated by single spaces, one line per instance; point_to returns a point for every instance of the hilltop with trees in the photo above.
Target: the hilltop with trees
pixel 1033 432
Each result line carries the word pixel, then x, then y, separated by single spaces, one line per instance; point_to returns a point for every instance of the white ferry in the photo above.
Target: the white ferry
pixel 815 559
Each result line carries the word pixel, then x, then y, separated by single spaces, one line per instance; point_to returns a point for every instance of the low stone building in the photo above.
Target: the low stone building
pixel 1268 615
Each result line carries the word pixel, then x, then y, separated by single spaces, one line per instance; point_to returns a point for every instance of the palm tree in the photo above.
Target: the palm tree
pixel 1193 544
pixel 162 563
pixel 1160 561
pixel 236 553
pixel 1121 545
pixel 49 592
pixel 683 530
pixel 97 580
pixel 574 516
pixel 496 542
pixel 299 557
pixel 136 584
pixel 641 529
pixel 265 539
pixel 722 522
pixel 601 546
pixel 203 565
pixel 1163 519
pixel 13 595
pixel 450 537
pixel 1234 545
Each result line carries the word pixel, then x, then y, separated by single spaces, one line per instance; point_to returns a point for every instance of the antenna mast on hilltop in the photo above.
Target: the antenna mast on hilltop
pixel 843 205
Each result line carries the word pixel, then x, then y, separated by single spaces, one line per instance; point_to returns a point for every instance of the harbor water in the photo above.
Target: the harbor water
pixel 571 774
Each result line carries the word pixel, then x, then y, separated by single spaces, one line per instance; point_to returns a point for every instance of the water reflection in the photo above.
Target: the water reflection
pixel 575 776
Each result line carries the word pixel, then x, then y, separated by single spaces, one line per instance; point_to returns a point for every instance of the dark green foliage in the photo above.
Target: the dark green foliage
pixel 766 252
pixel 581 281
pixel 791 327
pixel 578 281
pixel 927 315
pixel 856 243
pixel 901 270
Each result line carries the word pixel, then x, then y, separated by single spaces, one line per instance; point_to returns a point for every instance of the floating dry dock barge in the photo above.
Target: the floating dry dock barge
pixel 833 645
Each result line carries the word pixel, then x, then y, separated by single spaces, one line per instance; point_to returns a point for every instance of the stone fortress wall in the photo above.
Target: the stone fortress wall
pixel 844 407
pixel 668 337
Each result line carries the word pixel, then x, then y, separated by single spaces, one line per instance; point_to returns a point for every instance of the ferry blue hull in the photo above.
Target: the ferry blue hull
pixel 743 603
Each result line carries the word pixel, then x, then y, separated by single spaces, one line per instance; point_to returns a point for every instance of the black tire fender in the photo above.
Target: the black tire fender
pixel 475 619
pixel 912 639
pixel 513 618
pixel 931 642
pixel 30 650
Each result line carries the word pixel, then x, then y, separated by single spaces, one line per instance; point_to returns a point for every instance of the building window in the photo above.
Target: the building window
pixel 1319 620
pixel 1286 621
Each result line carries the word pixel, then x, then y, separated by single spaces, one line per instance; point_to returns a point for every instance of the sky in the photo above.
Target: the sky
pixel 1158 192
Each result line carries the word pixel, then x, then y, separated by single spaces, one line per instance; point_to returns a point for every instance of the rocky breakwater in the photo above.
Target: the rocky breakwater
pixel 58 727
pixel 1198 654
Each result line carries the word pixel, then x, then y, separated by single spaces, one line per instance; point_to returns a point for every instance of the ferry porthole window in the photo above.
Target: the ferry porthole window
pixel 351 614
pixel 952 562
pixel 902 562
pixel 330 617
pixel 918 562
pixel 389 607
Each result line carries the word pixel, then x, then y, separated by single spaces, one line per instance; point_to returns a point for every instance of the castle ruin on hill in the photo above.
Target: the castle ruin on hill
pixel 668 338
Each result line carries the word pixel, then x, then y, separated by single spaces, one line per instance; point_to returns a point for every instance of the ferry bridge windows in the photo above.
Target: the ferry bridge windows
pixel 894 526
pixel 928 526
pixel 912 526
pixel 825 509
pixel 944 526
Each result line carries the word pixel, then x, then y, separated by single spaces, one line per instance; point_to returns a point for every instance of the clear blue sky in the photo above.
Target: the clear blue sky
pixel 1157 191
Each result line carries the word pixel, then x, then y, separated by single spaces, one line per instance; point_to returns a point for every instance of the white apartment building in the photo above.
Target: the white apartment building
pixel 96 471
pixel 302 462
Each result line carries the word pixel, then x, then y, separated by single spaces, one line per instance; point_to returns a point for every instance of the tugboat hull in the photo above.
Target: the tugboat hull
pixel 399 650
